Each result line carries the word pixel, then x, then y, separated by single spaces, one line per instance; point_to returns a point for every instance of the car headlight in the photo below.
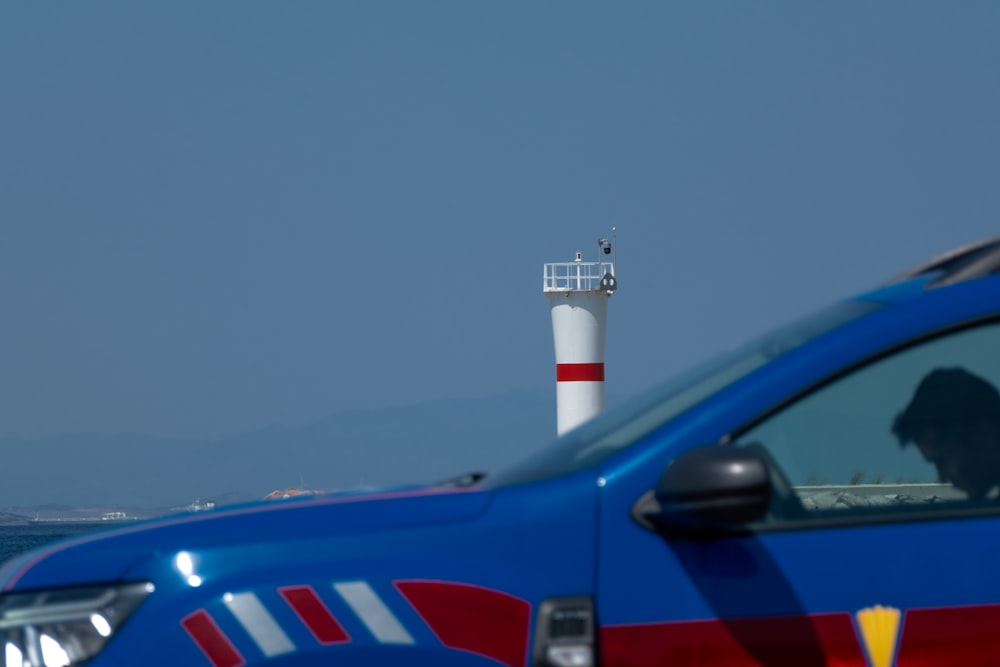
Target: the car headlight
pixel 64 627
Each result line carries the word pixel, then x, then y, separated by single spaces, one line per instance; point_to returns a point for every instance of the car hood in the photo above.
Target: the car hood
pixel 107 555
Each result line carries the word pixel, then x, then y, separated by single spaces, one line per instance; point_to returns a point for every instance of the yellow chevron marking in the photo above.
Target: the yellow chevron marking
pixel 879 628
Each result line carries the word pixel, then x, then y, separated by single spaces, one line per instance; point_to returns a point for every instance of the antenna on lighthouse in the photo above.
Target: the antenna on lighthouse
pixel 578 292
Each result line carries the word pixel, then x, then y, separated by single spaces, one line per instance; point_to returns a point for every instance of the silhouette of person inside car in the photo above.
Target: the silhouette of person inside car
pixel 954 420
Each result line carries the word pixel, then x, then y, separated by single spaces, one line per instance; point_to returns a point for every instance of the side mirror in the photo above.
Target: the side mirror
pixel 712 489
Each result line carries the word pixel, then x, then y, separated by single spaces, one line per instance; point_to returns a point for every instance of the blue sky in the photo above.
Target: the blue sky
pixel 218 216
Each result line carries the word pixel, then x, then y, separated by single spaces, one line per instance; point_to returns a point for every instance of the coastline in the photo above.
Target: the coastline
pixel 79 520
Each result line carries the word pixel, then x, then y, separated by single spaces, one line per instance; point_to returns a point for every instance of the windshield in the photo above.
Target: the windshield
pixel 602 436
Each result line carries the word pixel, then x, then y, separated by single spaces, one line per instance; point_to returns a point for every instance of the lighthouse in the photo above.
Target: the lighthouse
pixel 579 292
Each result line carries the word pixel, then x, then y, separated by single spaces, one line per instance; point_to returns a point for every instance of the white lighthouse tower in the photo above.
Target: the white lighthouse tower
pixel 579 292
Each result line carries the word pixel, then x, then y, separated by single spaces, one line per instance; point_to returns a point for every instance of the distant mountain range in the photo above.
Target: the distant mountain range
pixel 425 442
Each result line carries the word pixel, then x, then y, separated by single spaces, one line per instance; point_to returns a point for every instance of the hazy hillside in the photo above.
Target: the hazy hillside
pixel 415 443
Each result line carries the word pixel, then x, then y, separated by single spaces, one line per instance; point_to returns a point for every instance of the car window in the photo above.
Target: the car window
pixel 917 429
pixel 606 434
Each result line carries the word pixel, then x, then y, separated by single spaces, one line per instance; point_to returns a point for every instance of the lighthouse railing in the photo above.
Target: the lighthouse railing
pixel 574 276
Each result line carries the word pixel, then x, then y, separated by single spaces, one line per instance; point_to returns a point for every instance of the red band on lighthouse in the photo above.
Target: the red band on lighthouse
pixel 580 372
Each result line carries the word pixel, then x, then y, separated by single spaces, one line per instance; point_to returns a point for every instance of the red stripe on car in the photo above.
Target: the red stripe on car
pixel 317 617
pixel 968 635
pixel 210 639
pixel 480 620
pixel 776 641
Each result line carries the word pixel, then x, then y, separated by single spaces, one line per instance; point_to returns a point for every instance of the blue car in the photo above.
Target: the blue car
pixel 825 495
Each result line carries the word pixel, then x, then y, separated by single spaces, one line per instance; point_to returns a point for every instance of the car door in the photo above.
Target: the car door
pixel 865 558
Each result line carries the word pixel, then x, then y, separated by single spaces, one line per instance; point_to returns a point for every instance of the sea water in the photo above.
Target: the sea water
pixel 15 540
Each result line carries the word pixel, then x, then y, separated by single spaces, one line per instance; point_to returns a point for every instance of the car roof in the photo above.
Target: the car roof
pixel 967 262
pixel 974 260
